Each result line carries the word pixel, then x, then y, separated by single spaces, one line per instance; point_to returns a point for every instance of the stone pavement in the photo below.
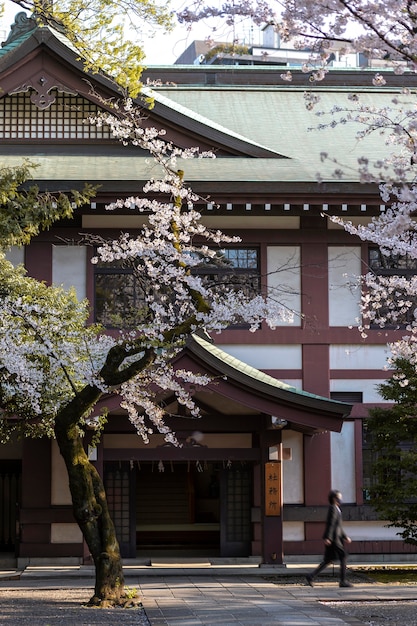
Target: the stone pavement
pixel 207 595
pixel 254 601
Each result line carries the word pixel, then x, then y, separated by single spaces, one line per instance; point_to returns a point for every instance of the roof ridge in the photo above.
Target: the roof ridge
pixel 23 26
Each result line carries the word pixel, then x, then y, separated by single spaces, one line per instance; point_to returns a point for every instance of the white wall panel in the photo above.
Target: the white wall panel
pixel 293 469
pixel 294 382
pixel 293 531
pixel 284 278
pixel 353 357
pixel 368 387
pixel 371 531
pixel 266 357
pixel 16 255
pixel 65 533
pixel 60 492
pixel 343 462
pixel 69 268
pixel 344 294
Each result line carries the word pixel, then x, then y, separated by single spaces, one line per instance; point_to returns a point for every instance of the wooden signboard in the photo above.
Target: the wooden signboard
pixel 273 488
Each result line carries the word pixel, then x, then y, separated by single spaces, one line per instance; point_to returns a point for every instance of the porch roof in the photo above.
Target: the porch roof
pixel 239 382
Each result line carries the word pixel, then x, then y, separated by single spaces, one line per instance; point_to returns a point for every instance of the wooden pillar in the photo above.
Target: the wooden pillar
pixel 271 501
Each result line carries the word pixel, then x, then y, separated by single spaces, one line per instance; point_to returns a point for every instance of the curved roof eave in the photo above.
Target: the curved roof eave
pixel 259 382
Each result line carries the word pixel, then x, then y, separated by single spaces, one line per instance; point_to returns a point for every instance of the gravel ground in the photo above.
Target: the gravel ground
pixel 392 613
pixel 48 607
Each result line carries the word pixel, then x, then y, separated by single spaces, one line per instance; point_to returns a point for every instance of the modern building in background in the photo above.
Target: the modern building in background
pixel 285 420
pixel 269 51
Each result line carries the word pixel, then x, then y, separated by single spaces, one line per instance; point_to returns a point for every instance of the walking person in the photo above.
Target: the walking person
pixel 334 539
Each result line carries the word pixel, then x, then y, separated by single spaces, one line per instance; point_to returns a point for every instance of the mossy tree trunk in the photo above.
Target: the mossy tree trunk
pixel 89 501
pixel 87 490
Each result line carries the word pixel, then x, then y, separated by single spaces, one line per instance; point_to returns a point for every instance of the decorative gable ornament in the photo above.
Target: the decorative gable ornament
pixel 43 85
pixel 44 89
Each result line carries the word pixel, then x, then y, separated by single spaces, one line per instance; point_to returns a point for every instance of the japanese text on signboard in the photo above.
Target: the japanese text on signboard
pixel 273 488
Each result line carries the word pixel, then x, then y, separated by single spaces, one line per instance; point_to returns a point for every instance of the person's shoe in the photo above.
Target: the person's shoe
pixel 309 581
pixel 344 583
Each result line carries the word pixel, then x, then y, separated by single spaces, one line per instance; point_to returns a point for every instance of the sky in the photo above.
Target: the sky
pixel 162 49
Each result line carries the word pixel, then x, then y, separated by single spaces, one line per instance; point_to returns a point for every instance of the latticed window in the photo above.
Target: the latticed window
pixel 119 295
pixel 394 265
pixel 116 481
pixel 238 268
pixel 239 490
pixel 64 119
pixel 120 291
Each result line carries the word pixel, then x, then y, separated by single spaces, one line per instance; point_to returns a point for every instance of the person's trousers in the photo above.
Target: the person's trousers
pixel 340 555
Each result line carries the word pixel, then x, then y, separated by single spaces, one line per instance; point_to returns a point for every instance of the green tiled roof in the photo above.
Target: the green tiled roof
pixel 13 45
pixel 277 118
pixel 195 115
pixel 272 117
pixel 265 380
pixel 269 120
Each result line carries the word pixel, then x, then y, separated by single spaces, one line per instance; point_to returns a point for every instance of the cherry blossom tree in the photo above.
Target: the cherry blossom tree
pixel 380 29
pixel 43 337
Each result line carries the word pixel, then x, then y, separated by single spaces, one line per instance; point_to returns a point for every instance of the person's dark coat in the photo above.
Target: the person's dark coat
pixel 334 532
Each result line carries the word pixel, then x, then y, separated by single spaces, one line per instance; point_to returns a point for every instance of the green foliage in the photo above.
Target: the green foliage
pixel 106 33
pixel 25 211
pixel 131 592
pixel 394 441
pixel 225 48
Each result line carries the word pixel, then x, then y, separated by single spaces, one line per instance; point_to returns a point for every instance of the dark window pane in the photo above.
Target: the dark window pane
pixel 393 265
pixel 120 291
pixel 118 300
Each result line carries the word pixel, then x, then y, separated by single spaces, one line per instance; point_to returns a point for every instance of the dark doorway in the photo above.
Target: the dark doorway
pixel 178 508
pixel 10 484
pixel 200 509
pixel 119 483
pixel 236 506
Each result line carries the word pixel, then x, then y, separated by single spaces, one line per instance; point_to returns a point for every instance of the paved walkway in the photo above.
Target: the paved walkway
pixel 201 595
pixel 253 601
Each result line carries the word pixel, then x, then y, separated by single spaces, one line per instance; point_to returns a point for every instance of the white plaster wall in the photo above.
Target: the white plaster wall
pixel 293 531
pixel 16 255
pixel 368 387
pixel 353 357
pixel 60 492
pixel 343 461
pixel 293 382
pixel 344 293
pixel 293 470
pixel 65 533
pixel 69 268
pixel 284 279
pixel 371 531
pixel 267 357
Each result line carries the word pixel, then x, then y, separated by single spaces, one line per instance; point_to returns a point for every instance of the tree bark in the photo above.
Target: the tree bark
pixel 89 501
